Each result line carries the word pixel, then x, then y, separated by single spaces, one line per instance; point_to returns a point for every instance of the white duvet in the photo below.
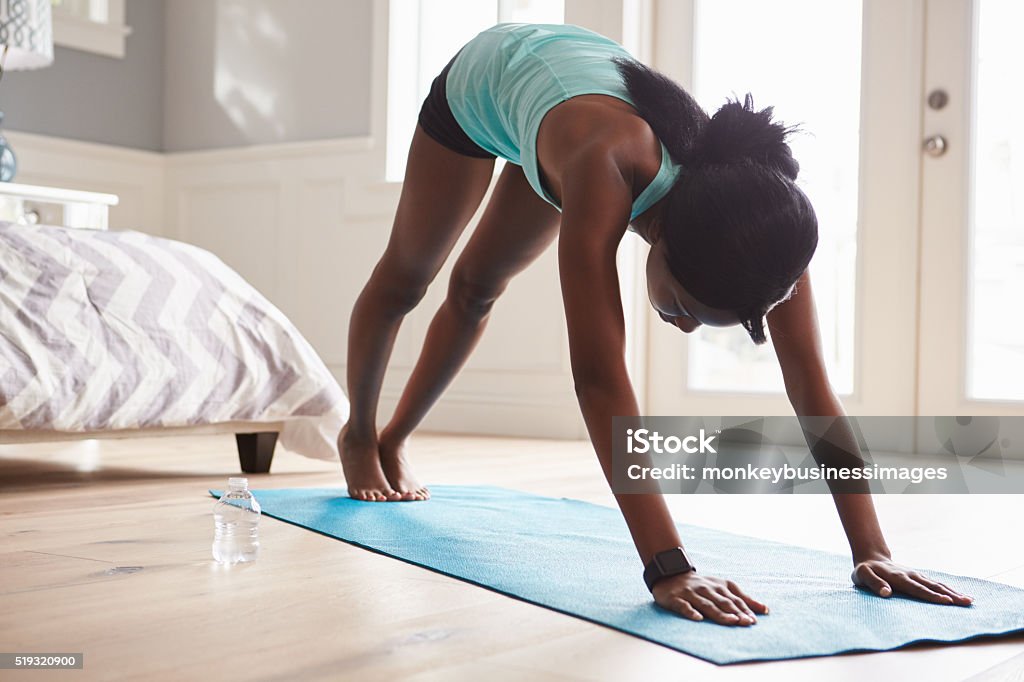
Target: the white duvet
pixel 120 330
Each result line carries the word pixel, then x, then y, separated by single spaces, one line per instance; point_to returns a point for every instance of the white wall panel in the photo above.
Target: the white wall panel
pixel 306 224
pixel 137 177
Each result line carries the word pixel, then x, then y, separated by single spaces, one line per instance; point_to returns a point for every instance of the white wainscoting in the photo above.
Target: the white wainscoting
pixel 305 223
pixel 136 176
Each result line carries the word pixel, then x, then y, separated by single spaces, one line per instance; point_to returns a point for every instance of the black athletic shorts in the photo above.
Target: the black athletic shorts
pixel 437 120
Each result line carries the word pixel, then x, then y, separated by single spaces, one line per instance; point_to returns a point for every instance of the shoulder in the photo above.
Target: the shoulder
pixel 602 135
pixel 597 196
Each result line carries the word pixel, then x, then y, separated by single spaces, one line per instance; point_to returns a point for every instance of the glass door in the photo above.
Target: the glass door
pixel 849 74
pixel 972 229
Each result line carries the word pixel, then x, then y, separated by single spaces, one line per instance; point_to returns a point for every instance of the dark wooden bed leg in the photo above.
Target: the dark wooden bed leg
pixel 256 450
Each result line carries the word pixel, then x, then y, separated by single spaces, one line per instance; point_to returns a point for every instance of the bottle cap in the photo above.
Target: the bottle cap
pixel 238 483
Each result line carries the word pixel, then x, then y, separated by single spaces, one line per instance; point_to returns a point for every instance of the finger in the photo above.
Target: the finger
pixel 711 610
pixel 725 601
pixel 748 600
pixel 934 584
pixel 873 582
pixel 721 599
pixel 732 604
pixel 742 606
pixel 942 588
pixel 686 610
pixel 912 587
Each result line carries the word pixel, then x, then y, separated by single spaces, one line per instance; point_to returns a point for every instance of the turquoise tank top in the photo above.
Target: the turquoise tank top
pixel 508 77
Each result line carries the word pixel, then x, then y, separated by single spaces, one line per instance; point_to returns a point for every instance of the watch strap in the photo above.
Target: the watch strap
pixel 668 563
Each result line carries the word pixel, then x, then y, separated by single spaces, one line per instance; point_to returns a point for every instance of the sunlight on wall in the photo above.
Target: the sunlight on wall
pixel 249 47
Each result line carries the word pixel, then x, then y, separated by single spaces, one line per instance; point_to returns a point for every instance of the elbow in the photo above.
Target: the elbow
pixel 592 386
pixel 808 389
pixel 813 401
pixel 583 388
pixel 585 391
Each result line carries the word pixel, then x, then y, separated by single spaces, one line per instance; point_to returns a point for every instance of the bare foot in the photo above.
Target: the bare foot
pixel 398 472
pixel 363 473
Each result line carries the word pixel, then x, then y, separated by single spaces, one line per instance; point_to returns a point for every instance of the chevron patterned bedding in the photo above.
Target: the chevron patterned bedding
pixel 120 330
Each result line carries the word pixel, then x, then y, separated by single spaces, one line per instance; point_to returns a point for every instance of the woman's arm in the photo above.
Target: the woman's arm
pixel 797 340
pixel 794 331
pixel 596 206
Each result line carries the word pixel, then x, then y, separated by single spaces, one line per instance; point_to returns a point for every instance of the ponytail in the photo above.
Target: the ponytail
pixel 674 116
pixel 736 132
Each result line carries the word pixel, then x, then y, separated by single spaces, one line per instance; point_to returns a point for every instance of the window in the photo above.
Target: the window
pixel 423 36
pixel 995 328
pixel 90 25
pixel 808 66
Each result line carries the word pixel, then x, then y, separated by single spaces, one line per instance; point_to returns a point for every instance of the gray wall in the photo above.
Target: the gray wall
pixel 204 74
pixel 89 97
pixel 241 72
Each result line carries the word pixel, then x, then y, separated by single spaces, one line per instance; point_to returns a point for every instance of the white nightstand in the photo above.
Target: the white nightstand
pixel 31 204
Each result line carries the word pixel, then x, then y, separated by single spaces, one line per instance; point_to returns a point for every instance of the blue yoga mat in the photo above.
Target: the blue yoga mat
pixel 577 558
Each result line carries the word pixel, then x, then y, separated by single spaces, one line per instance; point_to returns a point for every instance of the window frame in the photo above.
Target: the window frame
pixel 403 21
pixel 98 37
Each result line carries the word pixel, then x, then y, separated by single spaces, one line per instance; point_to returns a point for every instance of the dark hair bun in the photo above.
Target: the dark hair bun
pixel 737 132
pixel 738 232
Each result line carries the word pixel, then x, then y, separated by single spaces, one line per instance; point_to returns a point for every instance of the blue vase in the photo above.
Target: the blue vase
pixel 8 161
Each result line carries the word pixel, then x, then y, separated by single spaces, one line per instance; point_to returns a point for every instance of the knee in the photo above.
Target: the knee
pixel 473 296
pixel 397 292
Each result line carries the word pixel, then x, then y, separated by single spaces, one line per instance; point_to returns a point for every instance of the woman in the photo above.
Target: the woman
pixel 613 146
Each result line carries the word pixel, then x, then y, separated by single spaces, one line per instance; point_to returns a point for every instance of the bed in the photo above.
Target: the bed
pixel 117 333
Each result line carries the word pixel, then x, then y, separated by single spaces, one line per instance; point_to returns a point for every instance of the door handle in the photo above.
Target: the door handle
pixel 935 145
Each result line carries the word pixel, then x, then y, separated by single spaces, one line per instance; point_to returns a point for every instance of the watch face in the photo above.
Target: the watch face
pixel 673 560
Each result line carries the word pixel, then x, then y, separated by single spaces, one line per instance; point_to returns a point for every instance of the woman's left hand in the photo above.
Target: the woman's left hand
pixel 884 577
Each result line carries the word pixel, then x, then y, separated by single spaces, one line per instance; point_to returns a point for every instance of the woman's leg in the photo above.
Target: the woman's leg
pixel 516 227
pixel 441 192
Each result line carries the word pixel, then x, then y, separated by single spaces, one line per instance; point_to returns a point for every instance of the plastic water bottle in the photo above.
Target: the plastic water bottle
pixel 236 518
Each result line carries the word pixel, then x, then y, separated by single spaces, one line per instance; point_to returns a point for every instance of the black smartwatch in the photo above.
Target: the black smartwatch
pixel 664 564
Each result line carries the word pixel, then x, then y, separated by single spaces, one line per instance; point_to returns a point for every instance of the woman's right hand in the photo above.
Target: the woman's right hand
pixel 696 596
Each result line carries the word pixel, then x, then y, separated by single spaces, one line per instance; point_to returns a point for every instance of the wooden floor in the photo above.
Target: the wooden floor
pixel 106 551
